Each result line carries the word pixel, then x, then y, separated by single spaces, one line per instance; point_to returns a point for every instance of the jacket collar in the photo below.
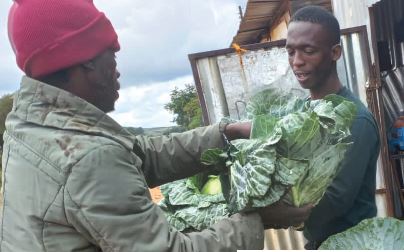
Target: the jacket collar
pixel 39 103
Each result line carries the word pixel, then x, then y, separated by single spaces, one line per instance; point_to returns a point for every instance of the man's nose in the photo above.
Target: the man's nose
pixel 118 74
pixel 297 59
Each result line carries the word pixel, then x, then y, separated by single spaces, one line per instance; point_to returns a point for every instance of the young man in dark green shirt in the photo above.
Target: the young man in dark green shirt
pixel 313 45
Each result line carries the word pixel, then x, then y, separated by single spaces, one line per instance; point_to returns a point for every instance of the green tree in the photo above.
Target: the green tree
pixel 6 103
pixel 185 106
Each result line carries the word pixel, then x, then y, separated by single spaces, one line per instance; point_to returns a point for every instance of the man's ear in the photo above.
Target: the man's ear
pixel 336 51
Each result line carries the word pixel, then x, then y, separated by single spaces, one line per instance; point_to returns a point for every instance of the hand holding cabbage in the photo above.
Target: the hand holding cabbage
pixel 283 215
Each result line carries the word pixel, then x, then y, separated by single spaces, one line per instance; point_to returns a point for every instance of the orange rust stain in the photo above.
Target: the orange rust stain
pixel 240 51
pixel 156 194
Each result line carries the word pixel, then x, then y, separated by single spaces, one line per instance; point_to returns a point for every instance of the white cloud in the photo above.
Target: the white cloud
pixel 143 105
pixel 156 36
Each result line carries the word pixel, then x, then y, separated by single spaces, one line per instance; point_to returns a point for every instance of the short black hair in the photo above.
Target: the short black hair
pixel 319 15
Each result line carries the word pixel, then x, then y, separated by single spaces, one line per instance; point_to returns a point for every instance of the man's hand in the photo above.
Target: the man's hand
pixel 238 130
pixel 282 215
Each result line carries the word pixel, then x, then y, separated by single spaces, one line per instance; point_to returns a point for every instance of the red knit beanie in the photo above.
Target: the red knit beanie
pixel 50 35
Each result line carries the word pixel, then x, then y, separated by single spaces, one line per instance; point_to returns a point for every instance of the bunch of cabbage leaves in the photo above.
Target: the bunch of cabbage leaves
pixel 370 234
pixel 295 148
pixel 188 208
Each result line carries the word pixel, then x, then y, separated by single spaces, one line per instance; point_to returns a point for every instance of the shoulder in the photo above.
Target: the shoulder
pixel 364 118
pixel 97 156
pixel 108 153
pixel 364 130
pixel 109 165
pixel 365 121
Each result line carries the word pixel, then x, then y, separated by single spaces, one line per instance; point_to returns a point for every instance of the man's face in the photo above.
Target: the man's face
pixel 311 54
pixel 105 78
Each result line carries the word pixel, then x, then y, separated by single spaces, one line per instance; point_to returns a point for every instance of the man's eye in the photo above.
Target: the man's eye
pixel 291 52
pixel 309 50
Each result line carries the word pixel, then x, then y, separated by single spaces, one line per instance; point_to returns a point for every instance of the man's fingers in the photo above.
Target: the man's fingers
pixel 301 214
pixel 305 210
pixel 281 215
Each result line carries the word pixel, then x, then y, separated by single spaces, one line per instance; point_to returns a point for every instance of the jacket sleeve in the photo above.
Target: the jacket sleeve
pixel 341 194
pixel 177 156
pixel 107 201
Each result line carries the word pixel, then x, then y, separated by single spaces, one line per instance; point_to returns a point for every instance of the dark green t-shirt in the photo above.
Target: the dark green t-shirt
pixel 351 196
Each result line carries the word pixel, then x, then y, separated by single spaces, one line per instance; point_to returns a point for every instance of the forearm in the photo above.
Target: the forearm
pixel 178 156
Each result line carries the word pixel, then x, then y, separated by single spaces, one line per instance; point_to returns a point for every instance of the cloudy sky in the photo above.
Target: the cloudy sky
pixel 156 37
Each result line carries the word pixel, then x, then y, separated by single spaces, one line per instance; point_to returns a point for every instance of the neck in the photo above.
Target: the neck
pixel 72 80
pixel 58 79
pixel 332 85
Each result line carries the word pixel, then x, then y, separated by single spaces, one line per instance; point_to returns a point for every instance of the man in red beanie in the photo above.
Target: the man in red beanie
pixel 74 179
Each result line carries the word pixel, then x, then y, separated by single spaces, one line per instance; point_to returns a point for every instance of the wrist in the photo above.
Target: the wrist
pixel 222 128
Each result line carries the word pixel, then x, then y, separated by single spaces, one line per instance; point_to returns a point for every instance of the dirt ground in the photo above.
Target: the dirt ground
pixel 156 194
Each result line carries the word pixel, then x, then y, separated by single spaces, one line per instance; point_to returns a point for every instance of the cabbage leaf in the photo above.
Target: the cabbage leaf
pixel 187 209
pixel 370 234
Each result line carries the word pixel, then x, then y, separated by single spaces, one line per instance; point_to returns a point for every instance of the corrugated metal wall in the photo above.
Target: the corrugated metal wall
pixel 284 239
pixel 385 14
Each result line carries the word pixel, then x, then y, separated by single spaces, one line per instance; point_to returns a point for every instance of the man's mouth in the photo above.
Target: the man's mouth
pixel 302 76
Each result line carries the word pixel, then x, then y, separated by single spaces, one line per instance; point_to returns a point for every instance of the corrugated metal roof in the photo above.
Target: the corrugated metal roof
pixel 258 17
pixel 261 14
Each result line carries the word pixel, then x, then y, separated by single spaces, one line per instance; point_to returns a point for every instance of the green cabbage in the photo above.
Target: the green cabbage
pixel 370 234
pixel 194 203
pixel 295 144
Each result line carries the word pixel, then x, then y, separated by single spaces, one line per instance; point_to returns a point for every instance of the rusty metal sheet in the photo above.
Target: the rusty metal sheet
pixel 261 9
pixel 246 37
pixel 258 17
pixel 261 15
pixel 249 24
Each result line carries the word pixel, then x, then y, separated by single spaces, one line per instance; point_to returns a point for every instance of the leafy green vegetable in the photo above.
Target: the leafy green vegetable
pixel 214 157
pixel 191 204
pixel 174 221
pixel 199 218
pixel 296 148
pixel 371 234
pixel 273 102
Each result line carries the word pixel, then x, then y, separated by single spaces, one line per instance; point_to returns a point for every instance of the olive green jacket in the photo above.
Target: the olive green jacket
pixel 74 183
